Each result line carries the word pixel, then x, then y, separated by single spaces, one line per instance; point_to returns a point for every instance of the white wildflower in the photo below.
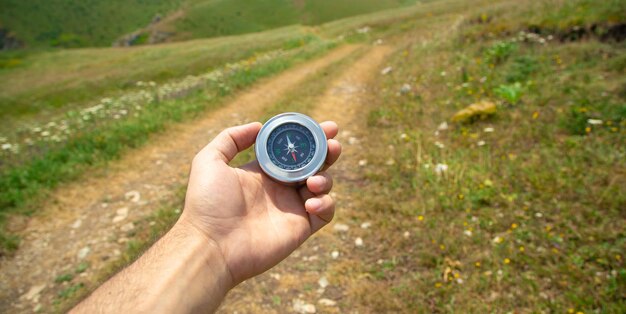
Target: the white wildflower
pixel 594 121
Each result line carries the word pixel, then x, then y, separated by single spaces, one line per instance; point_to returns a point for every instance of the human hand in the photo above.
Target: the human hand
pixel 252 220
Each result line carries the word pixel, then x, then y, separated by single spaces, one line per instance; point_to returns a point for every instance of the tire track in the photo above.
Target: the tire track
pixel 87 221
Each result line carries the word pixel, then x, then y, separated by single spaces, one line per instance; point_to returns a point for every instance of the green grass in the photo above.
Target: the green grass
pixel 66 78
pixel 219 18
pixel 64 23
pixel 527 217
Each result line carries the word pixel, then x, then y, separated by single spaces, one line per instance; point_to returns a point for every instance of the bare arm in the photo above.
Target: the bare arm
pixel 182 272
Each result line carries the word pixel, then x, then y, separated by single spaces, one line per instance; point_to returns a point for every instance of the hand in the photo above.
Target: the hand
pixel 254 221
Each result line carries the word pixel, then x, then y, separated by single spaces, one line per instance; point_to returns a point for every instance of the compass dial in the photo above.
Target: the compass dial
pixel 291 146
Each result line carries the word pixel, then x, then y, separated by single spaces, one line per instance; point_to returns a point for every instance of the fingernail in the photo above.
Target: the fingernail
pixel 314 204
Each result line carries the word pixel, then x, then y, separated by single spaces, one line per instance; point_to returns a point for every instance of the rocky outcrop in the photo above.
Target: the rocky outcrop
pixel 8 40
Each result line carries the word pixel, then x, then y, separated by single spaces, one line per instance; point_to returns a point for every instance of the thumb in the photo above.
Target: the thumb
pixel 233 140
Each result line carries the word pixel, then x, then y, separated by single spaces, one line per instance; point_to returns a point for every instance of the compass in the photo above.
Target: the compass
pixel 291 147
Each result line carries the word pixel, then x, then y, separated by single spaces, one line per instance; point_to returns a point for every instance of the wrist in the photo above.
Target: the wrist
pixel 206 248
pixel 191 275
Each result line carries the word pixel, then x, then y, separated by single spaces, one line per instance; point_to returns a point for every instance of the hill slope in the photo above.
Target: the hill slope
pixel 69 23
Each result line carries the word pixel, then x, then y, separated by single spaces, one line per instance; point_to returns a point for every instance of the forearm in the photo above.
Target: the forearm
pixel 183 272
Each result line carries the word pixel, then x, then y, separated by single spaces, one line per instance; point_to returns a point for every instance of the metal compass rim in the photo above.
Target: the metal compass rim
pixel 299 175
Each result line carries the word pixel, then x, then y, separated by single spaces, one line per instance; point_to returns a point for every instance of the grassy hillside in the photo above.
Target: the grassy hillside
pixel 70 23
pixel 43 81
pixel 519 210
pixel 218 18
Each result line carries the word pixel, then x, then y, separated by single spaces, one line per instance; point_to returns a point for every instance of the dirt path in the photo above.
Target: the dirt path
pixel 88 221
pixel 301 283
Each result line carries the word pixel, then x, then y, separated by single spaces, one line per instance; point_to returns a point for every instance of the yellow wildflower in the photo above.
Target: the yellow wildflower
pixel 507 261
pixel 535 115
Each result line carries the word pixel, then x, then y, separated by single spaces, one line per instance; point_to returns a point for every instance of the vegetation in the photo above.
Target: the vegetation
pixel 71 77
pixel 517 208
pixel 518 212
pixel 64 23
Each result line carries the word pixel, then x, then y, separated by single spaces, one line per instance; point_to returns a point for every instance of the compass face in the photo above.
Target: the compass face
pixel 291 146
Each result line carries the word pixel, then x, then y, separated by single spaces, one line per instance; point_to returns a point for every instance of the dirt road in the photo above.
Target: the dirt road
pixel 88 221
pixel 301 282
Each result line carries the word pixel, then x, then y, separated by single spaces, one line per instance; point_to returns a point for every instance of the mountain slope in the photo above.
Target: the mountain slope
pixel 70 23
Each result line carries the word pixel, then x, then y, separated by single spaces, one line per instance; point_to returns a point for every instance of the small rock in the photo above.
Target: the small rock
pixel 323 282
pixel 341 227
pixel 301 307
pixel 33 292
pixel 358 242
pixel 390 162
pixel 127 227
pixel 378 42
pixel 405 89
pixel 443 126
pixel 275 276
pixel 594 121
pixel 82 253
pixel 122 240
pixel 363 162
pixel 441 169
pixel 77 224
pixel 363 30
pixel 481 143
pixel 334 254
pixel 121 214
pixel 406 234
pixel 117 252
pixel 488 130
pixel 133 196
pixel 327 302
pixel 468 233
pixel 366 225
pixel 386 70
pixel 353 140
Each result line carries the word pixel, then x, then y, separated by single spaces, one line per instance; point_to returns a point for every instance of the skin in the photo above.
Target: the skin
pixel 236 223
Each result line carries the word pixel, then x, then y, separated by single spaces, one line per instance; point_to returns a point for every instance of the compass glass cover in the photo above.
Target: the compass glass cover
pixel 291 146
